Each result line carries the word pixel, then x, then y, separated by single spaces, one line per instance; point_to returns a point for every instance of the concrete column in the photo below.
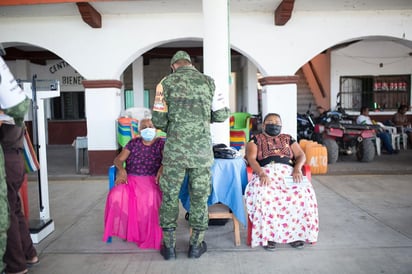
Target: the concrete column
pixel 279 95
pixel 138 82
pixel 216 53
pixel 250 88
pixel 103 107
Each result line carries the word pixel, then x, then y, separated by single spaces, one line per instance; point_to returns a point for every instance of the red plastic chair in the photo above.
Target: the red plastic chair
pixel 24 197
pixel 306 172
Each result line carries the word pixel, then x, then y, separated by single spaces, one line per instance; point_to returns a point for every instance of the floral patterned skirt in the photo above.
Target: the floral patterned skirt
pixel 280 212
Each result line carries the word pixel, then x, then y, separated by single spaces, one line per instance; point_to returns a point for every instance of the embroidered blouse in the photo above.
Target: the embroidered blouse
pixel 274 149
pixel 144 160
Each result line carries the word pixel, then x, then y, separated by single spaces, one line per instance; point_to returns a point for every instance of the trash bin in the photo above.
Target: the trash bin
pixel 80 144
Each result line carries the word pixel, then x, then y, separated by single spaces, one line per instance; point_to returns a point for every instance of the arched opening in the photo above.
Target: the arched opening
pixel 65 114
pixel 351 72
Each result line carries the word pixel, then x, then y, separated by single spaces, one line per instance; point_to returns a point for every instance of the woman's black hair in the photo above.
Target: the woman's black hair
pixel 363 108
pixel 272 114
pixel 401 107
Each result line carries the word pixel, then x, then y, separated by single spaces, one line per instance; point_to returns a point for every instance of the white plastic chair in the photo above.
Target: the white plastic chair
pixel 403 137
pixel 394 136
pixel 378 145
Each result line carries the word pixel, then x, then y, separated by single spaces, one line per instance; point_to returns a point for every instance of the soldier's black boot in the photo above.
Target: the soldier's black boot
pixel 168 249
pixel 195 251
pixel 197 247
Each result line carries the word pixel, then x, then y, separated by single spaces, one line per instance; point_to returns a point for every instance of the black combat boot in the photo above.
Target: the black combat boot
pixel 195 249
pixel 168 251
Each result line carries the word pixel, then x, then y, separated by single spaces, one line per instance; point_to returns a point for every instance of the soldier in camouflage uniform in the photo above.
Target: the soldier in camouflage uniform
pixel 183 109
pixel 17 111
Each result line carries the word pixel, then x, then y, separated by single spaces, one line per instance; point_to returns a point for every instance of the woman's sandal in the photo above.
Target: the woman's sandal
pixel 271 246
pixel 297 244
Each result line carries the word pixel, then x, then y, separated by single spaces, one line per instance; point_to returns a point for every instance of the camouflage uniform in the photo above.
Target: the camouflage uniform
pixel 17 112
pixel 183 109
pixel 4 209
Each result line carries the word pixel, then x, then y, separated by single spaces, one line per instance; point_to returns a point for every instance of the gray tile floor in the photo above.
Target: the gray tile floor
pixel 365 227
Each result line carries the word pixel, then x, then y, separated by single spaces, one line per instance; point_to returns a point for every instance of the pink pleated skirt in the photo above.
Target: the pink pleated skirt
pixel 132 212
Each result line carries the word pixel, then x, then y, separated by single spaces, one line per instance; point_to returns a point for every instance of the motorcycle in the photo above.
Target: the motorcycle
pixel 339 135
pixel 305 125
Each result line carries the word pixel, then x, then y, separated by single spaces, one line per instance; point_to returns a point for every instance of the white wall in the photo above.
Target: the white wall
pixel 275 50
pixel 363 58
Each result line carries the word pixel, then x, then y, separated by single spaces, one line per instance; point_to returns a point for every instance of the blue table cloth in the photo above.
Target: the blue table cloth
pixel 229 180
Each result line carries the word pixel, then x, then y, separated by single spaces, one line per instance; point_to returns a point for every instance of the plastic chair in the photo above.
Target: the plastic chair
pixel 403 136
pixel 24 197
pixel 306 172
pixel 239 129
pixel 112 179
pixel 395 137
pixel 378 145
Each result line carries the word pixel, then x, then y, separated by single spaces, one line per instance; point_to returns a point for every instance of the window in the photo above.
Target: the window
pixel 376 92
pixel 68 106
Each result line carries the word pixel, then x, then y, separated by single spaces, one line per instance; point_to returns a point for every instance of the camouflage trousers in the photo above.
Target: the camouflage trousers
pixel 4 210
pixel 199 191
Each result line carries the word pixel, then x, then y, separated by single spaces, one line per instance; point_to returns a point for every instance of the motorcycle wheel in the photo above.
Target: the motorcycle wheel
pixel 332 148
pixel 365 151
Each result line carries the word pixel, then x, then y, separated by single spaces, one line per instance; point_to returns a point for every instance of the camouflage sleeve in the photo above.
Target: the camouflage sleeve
pixel 160 120
pixel 220 115
pixel 18 111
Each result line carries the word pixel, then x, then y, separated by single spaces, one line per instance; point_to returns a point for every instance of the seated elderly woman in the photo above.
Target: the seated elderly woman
pixel 132 206
pixel 280 212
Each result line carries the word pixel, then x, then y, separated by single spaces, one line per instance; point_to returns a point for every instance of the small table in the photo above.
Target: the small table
pixel 229 180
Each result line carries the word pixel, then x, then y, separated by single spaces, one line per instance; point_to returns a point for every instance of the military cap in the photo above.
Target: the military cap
pixel 180 55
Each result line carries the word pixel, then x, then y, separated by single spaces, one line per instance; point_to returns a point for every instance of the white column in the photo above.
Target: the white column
pixel 281 99
pixel 216 51
pixel 103 107
pixel 138 82
pixel 250 88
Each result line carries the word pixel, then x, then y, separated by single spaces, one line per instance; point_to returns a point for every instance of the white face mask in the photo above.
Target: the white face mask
pixel 148 133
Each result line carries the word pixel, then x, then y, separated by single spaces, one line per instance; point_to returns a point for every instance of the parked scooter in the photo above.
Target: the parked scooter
pixel 305 125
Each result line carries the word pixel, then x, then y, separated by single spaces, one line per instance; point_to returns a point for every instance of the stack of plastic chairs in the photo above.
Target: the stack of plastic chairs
pixel 239 129
pixel 128 123
pixel 127 129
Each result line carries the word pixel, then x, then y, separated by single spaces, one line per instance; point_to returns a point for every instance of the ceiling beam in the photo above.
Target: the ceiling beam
pixel 284 12
pixel 38 2
pixel 40 56
pixel 90 15
pixel 36 57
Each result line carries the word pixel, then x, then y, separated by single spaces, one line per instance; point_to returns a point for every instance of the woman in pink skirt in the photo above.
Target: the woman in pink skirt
pixel 280 211
pixel 132 206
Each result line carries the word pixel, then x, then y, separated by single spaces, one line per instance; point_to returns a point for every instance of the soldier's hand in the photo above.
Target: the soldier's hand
pixel 218 101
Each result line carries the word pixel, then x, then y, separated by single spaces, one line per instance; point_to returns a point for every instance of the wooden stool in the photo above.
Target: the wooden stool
pixel 220 211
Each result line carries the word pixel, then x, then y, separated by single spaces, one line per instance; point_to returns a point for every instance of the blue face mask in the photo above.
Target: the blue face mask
pixel 148 133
